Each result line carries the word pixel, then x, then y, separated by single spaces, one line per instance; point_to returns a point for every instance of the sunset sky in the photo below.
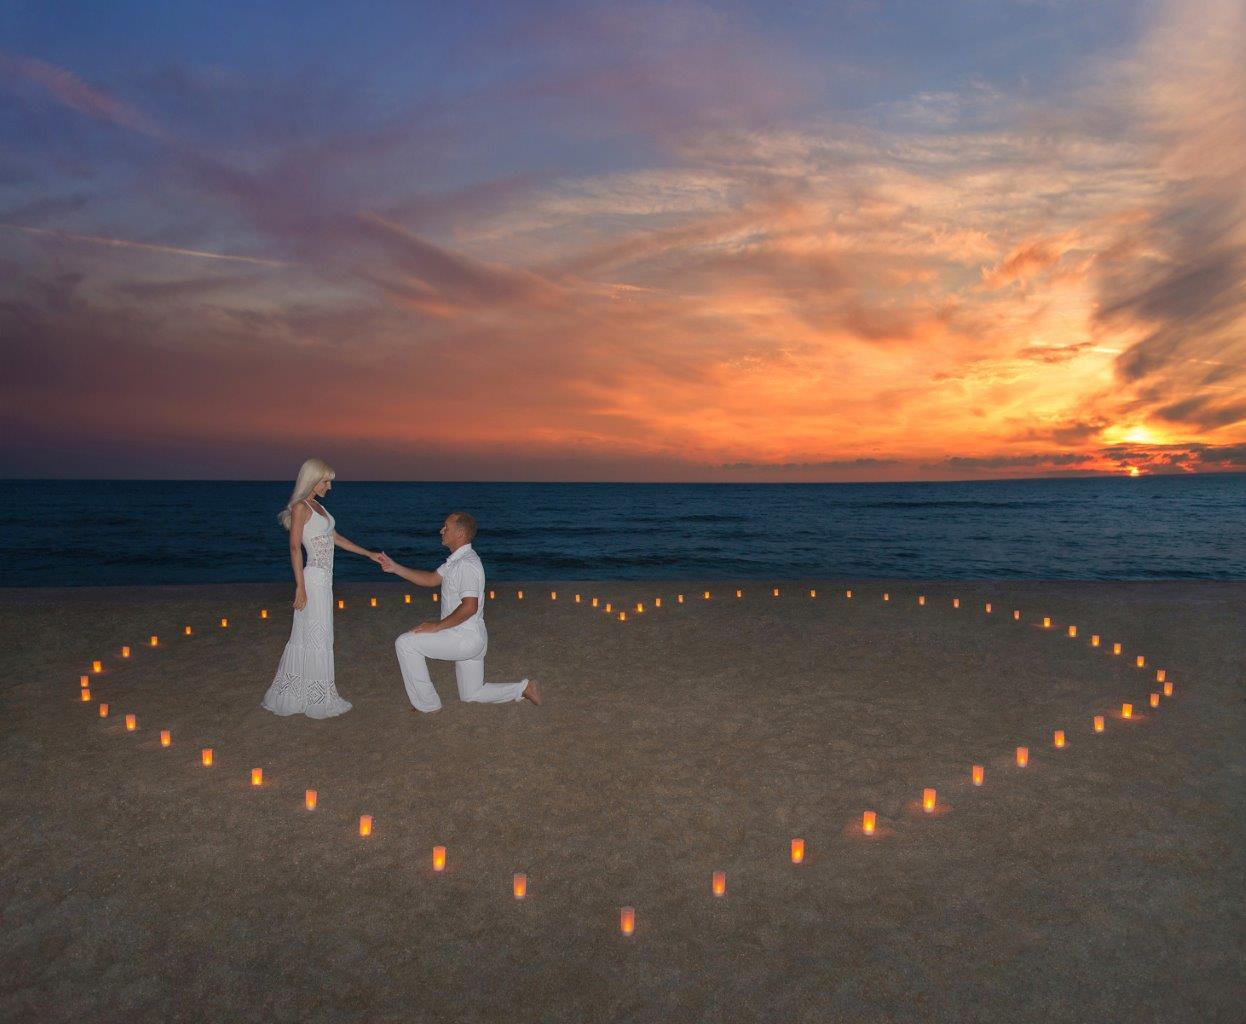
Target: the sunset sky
pixel 856 240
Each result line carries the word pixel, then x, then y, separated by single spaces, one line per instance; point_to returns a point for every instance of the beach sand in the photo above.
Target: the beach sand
pixel 1102 883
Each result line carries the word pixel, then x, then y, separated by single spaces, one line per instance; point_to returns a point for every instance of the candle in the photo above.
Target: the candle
pixel 594 602
pixel 131 723
pixel 1046 622
pixel 1127 711
pixel 86 695
pixel 372 601
pixel 956 602
pixel 341 603
pixel 1099 723
pixel 707 595
pixel 439 858
pixel 103 711
pixel 1168 688
pixel 1016 615
pixel 886 596
pixel 520 595
pixel 1094 639
pixel 577 598
pixel 988 608
pixel 928 800
pixel 921 599
pixel 739 593
pixel 263 613
pixel 257 776
pixel 125 653
pixel 1072 631
pixel 718 883
pixel 1116 648
pixel 977 773
pixel 309 799
pixel 657 602
pixel 1023 756
pixel 166 738
pixel 848 594
pixel 406 598
pixel 84 682
pixel 492 595
pixel 798 851
pixel 680 598
pixel 869 822
pixel 607 606
pixel 639 607
pixel 627 920
pixel 186 631
pixel 1160 674
pixel 224 623
pixel 622 616
pixel 365 824
pixel 1057 739
pixel 437 597
pixel 97 666
pixel 776 591
pixel 520 886
pixel 553 595
pixel 813 593
pixel 207 757
pixel 1140 661
pixel 1155 699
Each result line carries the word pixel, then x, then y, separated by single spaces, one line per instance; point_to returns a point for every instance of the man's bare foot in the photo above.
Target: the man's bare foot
pixel 532 691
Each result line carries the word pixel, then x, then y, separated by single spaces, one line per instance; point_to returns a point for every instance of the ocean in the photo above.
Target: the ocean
pixel 99 532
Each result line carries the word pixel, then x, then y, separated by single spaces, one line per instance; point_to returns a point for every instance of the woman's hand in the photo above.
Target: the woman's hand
pixel 376 556
pixel 300 599
pixel 386 563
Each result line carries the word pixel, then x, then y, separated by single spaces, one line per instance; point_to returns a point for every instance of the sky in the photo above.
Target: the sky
pixel 858 240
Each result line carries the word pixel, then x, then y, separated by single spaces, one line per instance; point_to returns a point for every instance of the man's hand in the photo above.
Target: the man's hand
pixel 386 563
pixel 431 626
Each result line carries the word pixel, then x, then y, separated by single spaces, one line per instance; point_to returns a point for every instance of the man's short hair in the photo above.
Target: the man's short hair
pixel 467 522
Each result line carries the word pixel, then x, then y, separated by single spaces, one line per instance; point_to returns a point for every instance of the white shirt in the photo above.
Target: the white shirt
pixel 463 575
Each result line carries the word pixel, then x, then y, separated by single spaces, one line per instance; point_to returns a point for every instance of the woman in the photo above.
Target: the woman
pixel 304 681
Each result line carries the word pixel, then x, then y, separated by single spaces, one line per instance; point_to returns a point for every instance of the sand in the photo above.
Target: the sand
pixel 1102 883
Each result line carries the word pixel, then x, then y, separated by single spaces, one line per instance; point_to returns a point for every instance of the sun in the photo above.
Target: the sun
pixel 1133 471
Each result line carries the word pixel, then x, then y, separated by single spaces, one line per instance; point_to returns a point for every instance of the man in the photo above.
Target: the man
pixel 460 634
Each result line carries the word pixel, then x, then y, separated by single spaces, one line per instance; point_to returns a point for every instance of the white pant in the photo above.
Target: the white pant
pixel 466 648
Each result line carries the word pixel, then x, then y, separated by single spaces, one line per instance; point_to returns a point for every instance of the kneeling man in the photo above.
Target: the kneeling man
pixel 460 635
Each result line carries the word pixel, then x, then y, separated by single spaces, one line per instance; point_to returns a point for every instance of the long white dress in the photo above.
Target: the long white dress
pixel 304 681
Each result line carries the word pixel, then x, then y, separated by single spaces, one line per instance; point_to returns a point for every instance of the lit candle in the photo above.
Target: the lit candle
pixel 869 822
pixel 166 738
pixel 813 593
pixel 956 602
pixel 1072 631
pixel 406 598
pixel 1116 648
pixel 1016 615
pixel 1168 688
pixel 257 776
pixel 365 824
pixel 594 602
pixel 103 711
pixel 608 606
pixel 657 602
pixel 680 598
pixel 977 774
pixel 186 631
pixel 86 695
pixel 718 883
pixel 639 607
pixel 776 591
pixel 519 595
pixel 1099 723
pixel 372 601
pixel 263 613
pixel 848 594
pixel 1155 699
pixel 309 799
pixel 1046 622
pixel 1057 739
pixel 84 682
pixel 553 595
pixel 739 593
pixel 798 851
pixel 1023 756
pixel 707 595
pixel 131 723
pixel 520 886
pixel 886 597
pixel 1140 661
pixel 341 603
pixel 97 666
pixel 1127 711
pixel 577 598
pixel 125 653
pixel 627 920
pixel 1094 639
pixel 439 858
pixel 224 623
pixel 207 757
pixel 928 800
pixel 437 597
pixel 493 595
pixel 921 599
pixel 1160 674
pixel 988 608
pixel 622 616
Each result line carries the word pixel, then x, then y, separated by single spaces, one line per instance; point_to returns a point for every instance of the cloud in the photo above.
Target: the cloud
pixel 67 88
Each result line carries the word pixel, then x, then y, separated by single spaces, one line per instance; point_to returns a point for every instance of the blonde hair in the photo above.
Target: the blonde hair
pixel 310 474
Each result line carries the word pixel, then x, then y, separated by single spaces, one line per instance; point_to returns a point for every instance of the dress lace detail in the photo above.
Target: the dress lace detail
pixel 304 680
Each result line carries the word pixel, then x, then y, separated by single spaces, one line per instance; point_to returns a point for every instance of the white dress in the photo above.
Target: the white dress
pixel 304 681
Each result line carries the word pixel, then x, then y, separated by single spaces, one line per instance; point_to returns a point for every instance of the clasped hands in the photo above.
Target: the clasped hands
pixel 387 564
